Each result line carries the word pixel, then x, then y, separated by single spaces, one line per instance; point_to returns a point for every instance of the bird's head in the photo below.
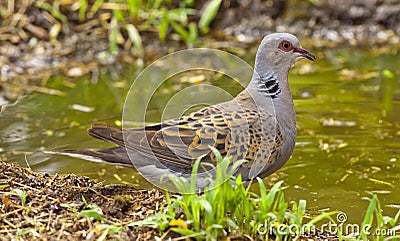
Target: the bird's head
pixel 280 51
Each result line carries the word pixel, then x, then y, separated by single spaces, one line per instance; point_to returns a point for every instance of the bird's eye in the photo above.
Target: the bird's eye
pixel 286 45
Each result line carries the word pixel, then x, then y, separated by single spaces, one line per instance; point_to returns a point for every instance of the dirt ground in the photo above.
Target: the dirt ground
pixel 53 203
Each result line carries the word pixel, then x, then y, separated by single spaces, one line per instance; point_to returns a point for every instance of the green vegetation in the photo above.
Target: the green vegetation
pixel 21 194
pixel 383 223
pixel 122 21
pixel 92 211
pixel 384 228
pixel 228 207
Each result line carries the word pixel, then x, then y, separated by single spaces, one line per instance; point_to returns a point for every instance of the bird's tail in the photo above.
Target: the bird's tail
pixel 115 155
pixel 107 133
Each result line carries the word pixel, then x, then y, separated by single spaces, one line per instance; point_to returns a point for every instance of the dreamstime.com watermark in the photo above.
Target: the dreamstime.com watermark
pixel 330 229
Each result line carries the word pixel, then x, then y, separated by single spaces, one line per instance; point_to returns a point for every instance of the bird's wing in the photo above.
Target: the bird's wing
pixel 266 143
pixel 181 141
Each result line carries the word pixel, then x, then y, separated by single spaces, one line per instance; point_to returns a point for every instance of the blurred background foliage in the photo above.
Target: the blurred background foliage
pixel 123 20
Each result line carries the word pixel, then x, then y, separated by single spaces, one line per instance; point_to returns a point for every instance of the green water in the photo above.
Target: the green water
pixel 348 117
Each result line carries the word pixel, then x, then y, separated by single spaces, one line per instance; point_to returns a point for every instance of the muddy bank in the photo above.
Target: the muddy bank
pixel 53 206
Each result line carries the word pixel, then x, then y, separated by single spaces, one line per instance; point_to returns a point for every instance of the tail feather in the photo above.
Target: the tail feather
pixel 116 155
pixel 107 133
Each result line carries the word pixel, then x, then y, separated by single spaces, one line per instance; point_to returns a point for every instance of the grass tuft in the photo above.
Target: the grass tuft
pixel 228 208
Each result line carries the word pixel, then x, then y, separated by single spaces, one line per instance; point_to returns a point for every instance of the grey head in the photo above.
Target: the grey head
pixel 280 51
pixel 276 55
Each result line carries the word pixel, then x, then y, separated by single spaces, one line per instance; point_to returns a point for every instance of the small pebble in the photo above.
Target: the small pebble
pixel 75 72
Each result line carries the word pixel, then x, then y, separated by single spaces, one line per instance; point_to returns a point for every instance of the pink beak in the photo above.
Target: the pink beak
pixel 305 54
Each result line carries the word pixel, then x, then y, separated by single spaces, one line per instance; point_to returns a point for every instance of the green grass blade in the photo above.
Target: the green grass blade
pixel 208 15
pixel 301 210
pixel 96 6
pixel 321 217
pixel 163 27
pixel 21 194
pixel 396 217
pixel 134 6
pixel 134 36
pixel 83 4
pixel 368 218
pixel 55 12
pixel 185 232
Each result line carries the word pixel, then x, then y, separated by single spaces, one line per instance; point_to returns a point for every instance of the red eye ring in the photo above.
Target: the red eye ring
pixel 285 46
